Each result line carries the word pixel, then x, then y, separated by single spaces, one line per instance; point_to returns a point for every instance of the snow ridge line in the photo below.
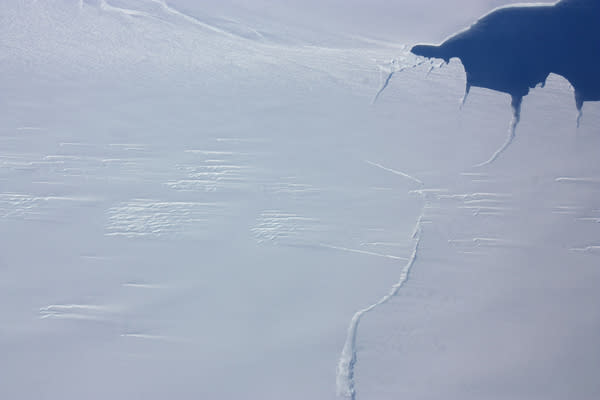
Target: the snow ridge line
pixel 189 18
pixel 345 368
pixel 104 5
pixel 125 11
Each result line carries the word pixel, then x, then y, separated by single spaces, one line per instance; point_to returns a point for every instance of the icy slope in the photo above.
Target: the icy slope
pixel 193 205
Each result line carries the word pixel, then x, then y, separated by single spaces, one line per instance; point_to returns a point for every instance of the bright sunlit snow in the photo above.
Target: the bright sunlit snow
pixel 278 200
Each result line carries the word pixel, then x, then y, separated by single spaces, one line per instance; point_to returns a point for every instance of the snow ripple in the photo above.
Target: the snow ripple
pixel 152 218
pixel 277 226
pixel 74 311
pixel 30 207
pixel 212 171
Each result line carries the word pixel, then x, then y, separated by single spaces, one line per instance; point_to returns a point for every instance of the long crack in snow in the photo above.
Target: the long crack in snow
pixel 346 386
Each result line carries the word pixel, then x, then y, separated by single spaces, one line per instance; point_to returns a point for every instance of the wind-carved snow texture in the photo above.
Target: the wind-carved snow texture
pixel 74 311
pixel 145 336
pixel 588 249
pixel 482 204
pixel 211 170
pixel 567 210
pixel 290 186
pixel 114 161
pixel 30 207
pixel 153 218
pixel 285 228
pixel 579 180
pixel 502 51
pixel 593 216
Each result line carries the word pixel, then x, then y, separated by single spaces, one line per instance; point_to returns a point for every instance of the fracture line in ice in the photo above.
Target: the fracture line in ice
pixel 369 253
pixel 394 67
pixel 433 66
pixel 466 95
pixel 516 108
pixel 386 82
pixel 345 369
pixel 393 171
pixel 579 104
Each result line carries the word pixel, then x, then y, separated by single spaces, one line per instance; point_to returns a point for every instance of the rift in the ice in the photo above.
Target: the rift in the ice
pixel 396 66
pixel 345 369
pixel 513 49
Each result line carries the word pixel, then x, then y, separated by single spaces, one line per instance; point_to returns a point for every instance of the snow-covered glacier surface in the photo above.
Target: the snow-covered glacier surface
pixel 207 202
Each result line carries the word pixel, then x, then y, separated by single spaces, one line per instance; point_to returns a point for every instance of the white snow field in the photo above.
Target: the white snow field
pixel 204 201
